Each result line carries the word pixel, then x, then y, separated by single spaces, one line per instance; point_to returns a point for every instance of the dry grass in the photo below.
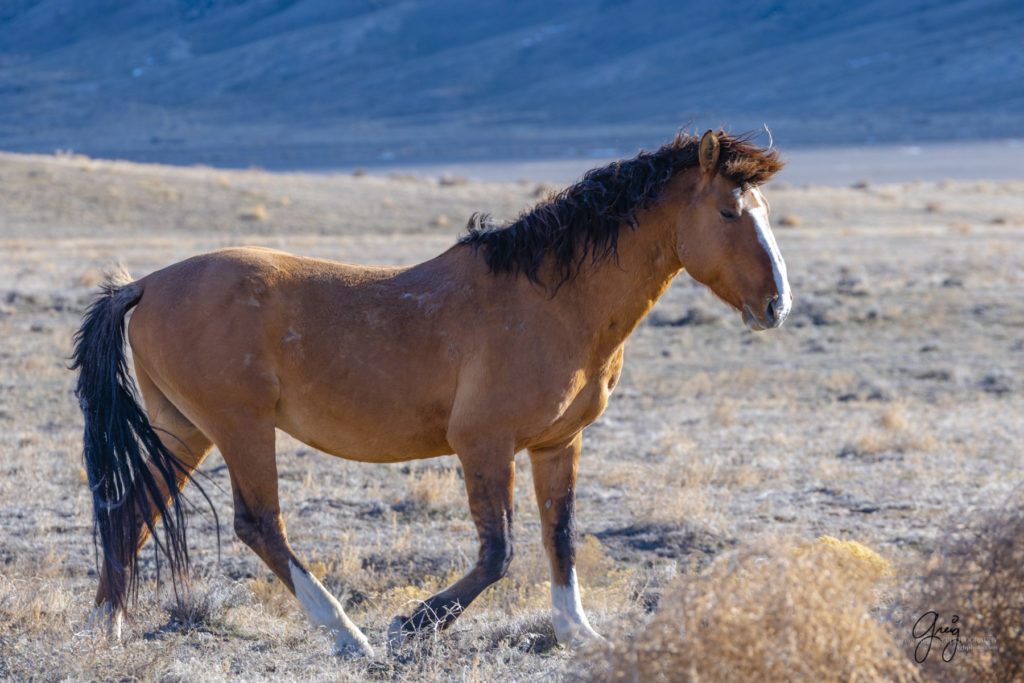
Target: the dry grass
pixel 975 585
pixel 780 610
pixel 889 401
pixel 772 611
pixel 205 607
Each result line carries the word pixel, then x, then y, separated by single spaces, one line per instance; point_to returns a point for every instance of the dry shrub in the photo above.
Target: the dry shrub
pixel 529 632
pixel 204 608
pixel 894 418
pixel 791 220
pixel 978 577
pixel 895 433
pixel 765 613
pixel 861 552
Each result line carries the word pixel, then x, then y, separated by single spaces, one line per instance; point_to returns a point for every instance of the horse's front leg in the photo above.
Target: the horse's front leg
pixel 490 478
pixel 554 480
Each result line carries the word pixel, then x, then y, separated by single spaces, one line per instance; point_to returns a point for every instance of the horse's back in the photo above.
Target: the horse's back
pixel 338 355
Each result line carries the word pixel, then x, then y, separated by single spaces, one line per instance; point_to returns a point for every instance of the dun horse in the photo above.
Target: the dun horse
pixel 512 339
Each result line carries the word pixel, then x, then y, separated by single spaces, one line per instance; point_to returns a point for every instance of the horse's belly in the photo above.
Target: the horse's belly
pixel 355 431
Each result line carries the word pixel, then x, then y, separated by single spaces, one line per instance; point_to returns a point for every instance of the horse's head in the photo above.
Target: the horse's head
pixel 726 243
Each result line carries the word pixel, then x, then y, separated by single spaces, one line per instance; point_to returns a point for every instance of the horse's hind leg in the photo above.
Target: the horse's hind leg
pixel 490 478
pixel 187 443
pixel 554 480
pixel 251 460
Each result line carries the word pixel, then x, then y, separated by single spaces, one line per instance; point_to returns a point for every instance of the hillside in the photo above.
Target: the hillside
pixel 304 83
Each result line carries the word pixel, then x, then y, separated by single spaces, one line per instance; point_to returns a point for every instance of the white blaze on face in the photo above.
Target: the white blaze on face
pixel 754 203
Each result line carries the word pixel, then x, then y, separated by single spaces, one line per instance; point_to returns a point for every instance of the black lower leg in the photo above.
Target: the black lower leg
pixel 440 610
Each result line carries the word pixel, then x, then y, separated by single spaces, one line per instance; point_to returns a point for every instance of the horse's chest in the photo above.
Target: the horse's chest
pixel 594 399
pixel 588 402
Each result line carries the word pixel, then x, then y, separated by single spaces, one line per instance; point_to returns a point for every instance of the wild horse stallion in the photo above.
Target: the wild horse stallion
pixel 511 339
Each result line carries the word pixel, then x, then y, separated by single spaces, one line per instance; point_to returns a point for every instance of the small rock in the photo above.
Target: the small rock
pixel 254 213
pixel 996 384
pixel 448 180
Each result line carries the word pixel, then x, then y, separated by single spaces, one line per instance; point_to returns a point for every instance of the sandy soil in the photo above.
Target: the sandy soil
pixel 886 409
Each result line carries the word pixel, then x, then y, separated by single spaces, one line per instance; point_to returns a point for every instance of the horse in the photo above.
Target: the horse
pixel 511 339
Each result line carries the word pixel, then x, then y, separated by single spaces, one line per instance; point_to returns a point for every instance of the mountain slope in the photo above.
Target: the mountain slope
pixel 306 82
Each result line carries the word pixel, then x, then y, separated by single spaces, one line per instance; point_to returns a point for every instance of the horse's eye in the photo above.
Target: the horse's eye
pixel 728 215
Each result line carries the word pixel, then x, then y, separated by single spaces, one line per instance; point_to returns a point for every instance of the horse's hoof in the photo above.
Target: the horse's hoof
pixel 104 622
pixel 353 649
pixel 399 631
pixel 577 635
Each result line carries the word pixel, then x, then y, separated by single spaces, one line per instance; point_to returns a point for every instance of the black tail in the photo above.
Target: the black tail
pixel 125 460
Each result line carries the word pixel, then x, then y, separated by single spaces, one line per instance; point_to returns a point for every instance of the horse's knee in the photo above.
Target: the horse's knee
pixel 495 558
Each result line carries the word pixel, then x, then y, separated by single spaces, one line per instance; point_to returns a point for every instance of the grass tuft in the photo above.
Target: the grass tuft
pixel 205 608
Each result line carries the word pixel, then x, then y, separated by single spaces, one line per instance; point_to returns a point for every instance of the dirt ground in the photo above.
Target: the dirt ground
pixel 886 410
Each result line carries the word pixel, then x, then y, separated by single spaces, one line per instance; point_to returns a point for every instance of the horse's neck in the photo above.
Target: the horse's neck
pixel 613 295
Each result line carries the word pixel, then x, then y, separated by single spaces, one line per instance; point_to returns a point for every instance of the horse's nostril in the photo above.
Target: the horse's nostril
pixel 771 311
pixel 776 311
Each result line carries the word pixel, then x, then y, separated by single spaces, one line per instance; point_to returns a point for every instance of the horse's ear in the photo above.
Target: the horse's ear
pixel 708 153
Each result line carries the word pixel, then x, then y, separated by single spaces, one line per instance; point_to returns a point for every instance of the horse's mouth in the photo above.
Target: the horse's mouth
pixel 770 320
pixel 753 324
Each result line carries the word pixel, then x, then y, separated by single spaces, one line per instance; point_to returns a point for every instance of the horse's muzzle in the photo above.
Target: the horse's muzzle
pixel 775 313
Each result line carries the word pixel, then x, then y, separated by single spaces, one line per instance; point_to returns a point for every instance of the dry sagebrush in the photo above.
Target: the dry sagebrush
pixel 774 612
pixel 978 576
pixel 767 612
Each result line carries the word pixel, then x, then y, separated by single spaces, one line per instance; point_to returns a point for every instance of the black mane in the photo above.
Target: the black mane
pixel 584 219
